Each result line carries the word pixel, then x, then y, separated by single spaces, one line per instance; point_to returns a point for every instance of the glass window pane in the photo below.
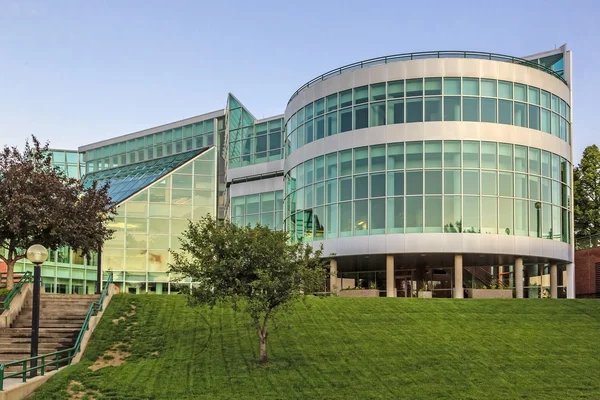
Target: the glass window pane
pixel 414 214
pixel 489 215
pixel 545 121
pixel 534 161
pixel 395 89
pixel 345 166
pixel 452 156
pixel 414 155
pixel 520 114
pixel 471 182
pixel 452 214
pixel 471 109
pixel 505 90
pixel 320 107
pixel 433 154
pixel 535 219
pixel 319 169
pixel 361 117
pixel 395 215
pixel 534 117
pixel 433 214
pixel 534 187
pixel 331 165
pixel 332 221
pixel 332 102
pixel 414 110
pixel 433 182
pixel 505 112
pixel 377 157
pixel 414 87
pixel 378 91
pixel 377 220
pixel 506 184
pixel 395 156
pixel 346 120
pixel 361 94
pixel 534 95
pixel 319 128
pixel 451 108
pixel 361 187
pixel 521 158
pixel 433 108
pixel 332 124
pixel 253 204
pixel 546 164
pixel 521 186
pixel 505 213
pixel 488 183
pixel 377 114
pixel 345 218
pixel 395 112
pixel 488 110
pixel 331 191
pixel 488 87
pixel 452 86
pixel 505 156
pixel 308 111
pixel 452 179
pixel 471 86
pixel 346 98
pixel 267 201
pixel 521 217
pixel 489 155
pixel 345 190
pixel 378 184
pixel 361 217
pixel 414 182
pixel 433 86
pixel 308 172
pixel 471 154
pixel 361 160
pixel 545 99
pixel 471 214
pixel 520 92
pixel 395 183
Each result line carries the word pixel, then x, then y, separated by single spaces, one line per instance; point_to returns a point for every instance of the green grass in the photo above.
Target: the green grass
pixel 346 348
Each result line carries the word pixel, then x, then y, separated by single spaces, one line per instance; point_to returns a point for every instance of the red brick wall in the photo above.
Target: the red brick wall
pixel 585 272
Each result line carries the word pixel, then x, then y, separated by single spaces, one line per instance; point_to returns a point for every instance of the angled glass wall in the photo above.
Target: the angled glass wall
pixel 265 208
pixel 150 223
pixel 251 141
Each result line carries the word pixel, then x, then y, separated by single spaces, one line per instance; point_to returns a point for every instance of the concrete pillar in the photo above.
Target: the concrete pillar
pixel 519 278
pixel 159 288
pixel 553 281
pixel 459 292
pixel 570 281
pixel 389 277
pixel 333 287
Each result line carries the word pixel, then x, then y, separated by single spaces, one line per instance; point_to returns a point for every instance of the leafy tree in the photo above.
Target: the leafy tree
pixel 587 193
pixel 40 204
pixel 253 269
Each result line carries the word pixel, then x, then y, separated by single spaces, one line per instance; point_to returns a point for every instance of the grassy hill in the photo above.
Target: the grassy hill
pixel 342 348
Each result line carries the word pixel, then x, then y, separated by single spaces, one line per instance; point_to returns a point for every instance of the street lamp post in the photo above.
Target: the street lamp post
pixel 538 206
pixel 37 254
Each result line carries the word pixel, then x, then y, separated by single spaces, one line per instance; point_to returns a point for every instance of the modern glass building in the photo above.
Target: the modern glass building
pixel 446 171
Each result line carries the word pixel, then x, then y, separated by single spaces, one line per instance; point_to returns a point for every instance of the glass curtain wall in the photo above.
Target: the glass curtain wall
pixel 265 208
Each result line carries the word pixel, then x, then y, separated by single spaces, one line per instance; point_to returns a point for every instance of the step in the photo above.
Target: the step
pixel 90 297
pixel 27 331
pixel 49 325
pixel 45 340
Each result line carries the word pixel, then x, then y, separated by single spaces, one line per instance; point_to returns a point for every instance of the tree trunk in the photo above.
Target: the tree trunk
pixel 263 349
pixel 10 274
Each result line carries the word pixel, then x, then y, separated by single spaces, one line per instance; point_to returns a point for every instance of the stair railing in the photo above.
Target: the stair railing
pixel 27 277
pixel 58 358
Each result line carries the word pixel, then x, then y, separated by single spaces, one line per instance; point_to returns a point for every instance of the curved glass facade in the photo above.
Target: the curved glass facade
pixel 430 186
pixel 429 99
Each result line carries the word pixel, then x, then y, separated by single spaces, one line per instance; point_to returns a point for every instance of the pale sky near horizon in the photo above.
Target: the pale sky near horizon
pixel 76 72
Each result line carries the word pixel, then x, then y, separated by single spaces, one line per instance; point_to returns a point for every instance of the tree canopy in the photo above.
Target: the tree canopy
pixel 249 268
pixel 587 193
pixel 39 203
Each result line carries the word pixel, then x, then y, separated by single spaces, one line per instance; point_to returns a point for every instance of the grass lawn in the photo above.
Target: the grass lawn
pixel 344 348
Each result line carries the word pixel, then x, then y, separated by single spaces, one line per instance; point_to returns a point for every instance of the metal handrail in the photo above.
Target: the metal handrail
pixel 424 55
pixel 26 277
pixel 71 352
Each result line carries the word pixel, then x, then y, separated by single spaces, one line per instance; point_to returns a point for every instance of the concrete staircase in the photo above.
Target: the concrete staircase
pixel 61 318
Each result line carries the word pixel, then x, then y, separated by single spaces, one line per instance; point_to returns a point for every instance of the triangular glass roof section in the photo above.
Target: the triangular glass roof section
pixel 127 180
pixel 239 116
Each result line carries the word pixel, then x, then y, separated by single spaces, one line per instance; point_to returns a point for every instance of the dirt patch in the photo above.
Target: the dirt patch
pixel 76 391
pixel 113 357
pixel 127 315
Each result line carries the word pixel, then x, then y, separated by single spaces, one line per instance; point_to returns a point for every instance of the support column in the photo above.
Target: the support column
pixel 553 281
pixel 333 276
pixel 389 277
pixel 519 278
pixel 459 292
pixel 570 281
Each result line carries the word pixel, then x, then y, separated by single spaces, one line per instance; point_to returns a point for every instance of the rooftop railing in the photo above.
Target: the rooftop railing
pixel 424 55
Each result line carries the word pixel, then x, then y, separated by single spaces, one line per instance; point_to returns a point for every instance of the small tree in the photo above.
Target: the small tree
pixel 250 268
pixel 587 193
pixel 40 204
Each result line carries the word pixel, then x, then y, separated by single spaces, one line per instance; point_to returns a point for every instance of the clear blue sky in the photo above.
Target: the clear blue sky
pixel 76 72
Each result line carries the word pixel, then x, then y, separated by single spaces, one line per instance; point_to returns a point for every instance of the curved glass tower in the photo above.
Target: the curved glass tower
pixel 444 171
